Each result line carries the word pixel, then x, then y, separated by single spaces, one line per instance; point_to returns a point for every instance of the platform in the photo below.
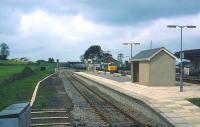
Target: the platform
pixel 167 101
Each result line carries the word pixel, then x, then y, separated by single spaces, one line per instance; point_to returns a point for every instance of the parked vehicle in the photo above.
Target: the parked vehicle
pixel 112 67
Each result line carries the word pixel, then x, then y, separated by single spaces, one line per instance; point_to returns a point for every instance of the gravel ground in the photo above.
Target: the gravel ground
pixel 115 77
pixel 81 109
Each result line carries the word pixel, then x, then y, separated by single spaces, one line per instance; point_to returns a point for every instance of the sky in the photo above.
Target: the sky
pixel 64 29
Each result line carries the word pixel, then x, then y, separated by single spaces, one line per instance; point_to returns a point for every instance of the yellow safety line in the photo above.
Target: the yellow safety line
pixel 36 89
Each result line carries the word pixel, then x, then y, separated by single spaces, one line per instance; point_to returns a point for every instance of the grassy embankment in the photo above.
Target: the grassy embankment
pixel 195 101
pixel 20 90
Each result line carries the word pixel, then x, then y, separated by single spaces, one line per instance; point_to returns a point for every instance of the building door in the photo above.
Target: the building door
pixel 135 71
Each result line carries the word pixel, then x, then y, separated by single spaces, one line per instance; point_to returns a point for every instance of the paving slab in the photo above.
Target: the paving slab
pixel 172 114
pixel 168 101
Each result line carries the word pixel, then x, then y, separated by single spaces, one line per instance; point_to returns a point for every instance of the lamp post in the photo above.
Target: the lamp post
pixel 181 52
pixel 135 43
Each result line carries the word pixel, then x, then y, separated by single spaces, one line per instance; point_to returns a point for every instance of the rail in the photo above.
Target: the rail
pixel 113 108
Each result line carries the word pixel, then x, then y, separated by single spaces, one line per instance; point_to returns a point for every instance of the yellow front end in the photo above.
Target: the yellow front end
pixel 112 68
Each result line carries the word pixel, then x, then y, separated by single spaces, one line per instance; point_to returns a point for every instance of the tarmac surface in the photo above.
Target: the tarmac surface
pixel 167 101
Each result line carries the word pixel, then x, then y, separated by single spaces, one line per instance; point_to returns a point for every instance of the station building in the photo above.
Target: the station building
pixel 194 56
pixel 154 67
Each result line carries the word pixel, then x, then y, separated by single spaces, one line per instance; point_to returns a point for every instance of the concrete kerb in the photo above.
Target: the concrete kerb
pixel 36 89
pixel 144 104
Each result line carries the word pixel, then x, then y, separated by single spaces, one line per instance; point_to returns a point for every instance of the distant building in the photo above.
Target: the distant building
pixel 128 65
pixel 153 67
pixel 194 56
pixel 72 63
pixel 88 61
pixel 109 59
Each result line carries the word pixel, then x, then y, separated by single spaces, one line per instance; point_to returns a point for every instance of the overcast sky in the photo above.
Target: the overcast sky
pixel 64 29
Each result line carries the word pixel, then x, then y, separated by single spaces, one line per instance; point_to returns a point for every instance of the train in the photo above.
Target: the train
pixel 110 67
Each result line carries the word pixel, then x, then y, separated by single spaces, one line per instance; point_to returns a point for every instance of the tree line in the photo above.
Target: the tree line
pixel 4 51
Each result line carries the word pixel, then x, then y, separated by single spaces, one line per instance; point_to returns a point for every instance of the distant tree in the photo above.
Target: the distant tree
pixel 24 59
pixel 41 61
pixel 106 55
pixel 51 60
pixel 94 52
pixel 15 59
pixel 82 58
pixel 4 51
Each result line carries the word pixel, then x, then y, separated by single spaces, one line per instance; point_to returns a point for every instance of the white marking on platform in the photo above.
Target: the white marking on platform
pixel 38 112
pixel 49 124
pixel 37 118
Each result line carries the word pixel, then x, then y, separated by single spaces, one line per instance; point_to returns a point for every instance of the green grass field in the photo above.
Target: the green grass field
pixel 6 71
pixel 20 90
pixel 195 101
pixel 8 68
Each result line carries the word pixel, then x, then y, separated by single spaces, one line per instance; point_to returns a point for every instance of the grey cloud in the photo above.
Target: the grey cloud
pixel 9 20
pixel 121 16
pixel 124 12
pixel 114 12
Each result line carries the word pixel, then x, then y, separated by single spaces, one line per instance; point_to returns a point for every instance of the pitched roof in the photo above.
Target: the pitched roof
pixel 146 55
pixel 109 59
pixel 189 54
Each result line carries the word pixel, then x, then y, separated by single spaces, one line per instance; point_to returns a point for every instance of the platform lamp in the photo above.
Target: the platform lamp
pixel 181 52
pixel 131 44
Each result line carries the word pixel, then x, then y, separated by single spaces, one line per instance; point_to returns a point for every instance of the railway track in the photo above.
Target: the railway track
pixel 108 112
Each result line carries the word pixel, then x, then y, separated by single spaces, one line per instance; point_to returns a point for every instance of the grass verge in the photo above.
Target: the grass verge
pixel 195 101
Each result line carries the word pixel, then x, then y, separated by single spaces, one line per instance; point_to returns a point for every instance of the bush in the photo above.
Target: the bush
pixel 42 68
pixel 27 71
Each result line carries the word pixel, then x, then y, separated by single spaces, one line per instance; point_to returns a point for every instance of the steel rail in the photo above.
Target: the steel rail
pixel 131 118
pixel 120 110
pixel 88 100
